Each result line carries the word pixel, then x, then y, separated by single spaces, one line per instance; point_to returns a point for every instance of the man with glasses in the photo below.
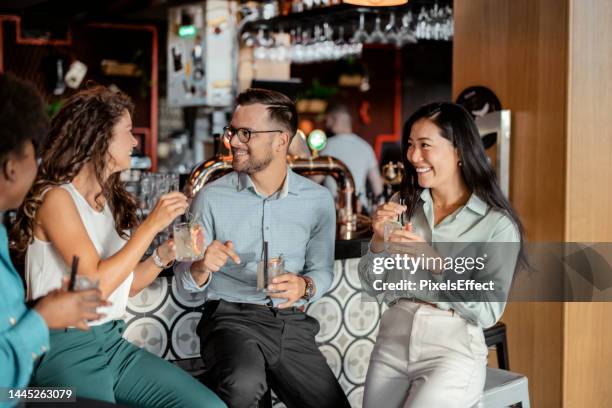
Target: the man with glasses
pixel 252 340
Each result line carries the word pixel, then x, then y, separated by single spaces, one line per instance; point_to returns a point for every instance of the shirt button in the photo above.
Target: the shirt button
pixel 267 228
pixel 12 321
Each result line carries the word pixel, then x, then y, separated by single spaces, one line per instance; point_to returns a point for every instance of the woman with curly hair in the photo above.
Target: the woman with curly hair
pixel 79 207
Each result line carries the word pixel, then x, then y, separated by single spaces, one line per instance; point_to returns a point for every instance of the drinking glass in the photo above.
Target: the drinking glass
pixel 391 226
pixel 174 182
pixel 308 41
pixel 361 35
pixel 276 267
pixel 377 36
pixel 327 42
pixel 406 33
pixel 260 51
pixel 82 282
pixel 354 47
pixel 340 47
pixel 189 241
pixel 394 225
pixel 297 46
pixel 423 27
pixel 146 188
pixel 392 34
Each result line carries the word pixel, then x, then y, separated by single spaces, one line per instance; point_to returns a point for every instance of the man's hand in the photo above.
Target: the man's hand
pixel 61 309
pixel 215 257
pixel 291 286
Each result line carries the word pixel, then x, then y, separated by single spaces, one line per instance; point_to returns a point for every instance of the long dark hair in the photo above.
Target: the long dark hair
pixel 457 126
pixel 80 133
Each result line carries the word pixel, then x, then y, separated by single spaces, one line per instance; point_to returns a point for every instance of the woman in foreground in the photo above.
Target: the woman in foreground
pixel 79 207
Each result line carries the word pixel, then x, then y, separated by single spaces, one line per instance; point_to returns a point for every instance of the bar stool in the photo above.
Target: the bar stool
pixel 504 389
pixel 496 336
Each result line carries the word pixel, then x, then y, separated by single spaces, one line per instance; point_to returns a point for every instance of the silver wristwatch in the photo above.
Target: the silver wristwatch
pixel 158 262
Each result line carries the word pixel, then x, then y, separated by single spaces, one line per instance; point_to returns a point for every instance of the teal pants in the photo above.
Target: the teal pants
pixel 102 365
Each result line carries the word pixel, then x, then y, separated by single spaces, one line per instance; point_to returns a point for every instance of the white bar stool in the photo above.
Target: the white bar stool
pixel 504 389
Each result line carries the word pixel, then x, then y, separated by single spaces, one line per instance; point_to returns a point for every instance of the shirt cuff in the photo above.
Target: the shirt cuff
pixel 183 272
pixel 370 276
pixel 33 333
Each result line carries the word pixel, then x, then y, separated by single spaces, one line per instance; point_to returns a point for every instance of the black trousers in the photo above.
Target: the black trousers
pixel 247 348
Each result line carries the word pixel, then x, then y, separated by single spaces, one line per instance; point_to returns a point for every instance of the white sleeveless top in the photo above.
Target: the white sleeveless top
pixel 45 266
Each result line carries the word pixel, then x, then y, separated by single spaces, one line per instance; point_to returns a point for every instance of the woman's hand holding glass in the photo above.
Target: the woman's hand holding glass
pixel 168 208
pixel 167 251
pixel 412 244
pixel 385 213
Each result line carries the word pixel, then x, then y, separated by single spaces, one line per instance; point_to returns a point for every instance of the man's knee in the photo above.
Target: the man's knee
pixel 241 386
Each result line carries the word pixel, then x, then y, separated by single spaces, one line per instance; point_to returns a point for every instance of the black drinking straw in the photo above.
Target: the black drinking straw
pixel 265 265
pixel 73 272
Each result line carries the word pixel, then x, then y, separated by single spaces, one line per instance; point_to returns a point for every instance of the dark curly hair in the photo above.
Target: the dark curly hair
pixel 22 116
pixel 80 133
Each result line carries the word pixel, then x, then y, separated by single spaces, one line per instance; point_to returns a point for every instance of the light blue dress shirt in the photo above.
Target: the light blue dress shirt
pixel 298 221
pixel 491 231
pixel 24 336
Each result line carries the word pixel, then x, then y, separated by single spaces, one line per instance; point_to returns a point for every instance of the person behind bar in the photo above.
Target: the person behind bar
pixel 79 207
pixel 430 351
pixel 251 341
pixel 353 151
pixel 24 331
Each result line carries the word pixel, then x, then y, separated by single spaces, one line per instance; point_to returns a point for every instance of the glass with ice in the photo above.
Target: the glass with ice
pixel 189 241
pixel 276 267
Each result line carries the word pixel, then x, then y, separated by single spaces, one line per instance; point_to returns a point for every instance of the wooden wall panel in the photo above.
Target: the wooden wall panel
pixel 519 50
pixel 588 355
pixel 589 155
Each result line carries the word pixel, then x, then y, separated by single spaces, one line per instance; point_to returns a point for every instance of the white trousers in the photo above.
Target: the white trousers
pixel 425 358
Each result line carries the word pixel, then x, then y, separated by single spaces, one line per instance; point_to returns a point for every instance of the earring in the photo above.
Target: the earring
pixel 459 163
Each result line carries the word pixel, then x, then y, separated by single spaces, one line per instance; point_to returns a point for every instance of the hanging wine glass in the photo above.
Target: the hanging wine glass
pixel 407 35
pixel 447 29
pixel 392 34
pixel 341 48
pixel 281 46
pixel 423 28
pixel 318 44
pixel 259 51
pixel 309 49
pixel 361 35
pixel 328 42
pixel 297 47
pixel 354 47
pixel 377 36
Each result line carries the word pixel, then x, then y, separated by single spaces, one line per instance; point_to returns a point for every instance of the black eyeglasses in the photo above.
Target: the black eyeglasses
pixel 244 135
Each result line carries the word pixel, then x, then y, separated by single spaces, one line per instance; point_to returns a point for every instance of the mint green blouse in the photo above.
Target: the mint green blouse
pixel 492 231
